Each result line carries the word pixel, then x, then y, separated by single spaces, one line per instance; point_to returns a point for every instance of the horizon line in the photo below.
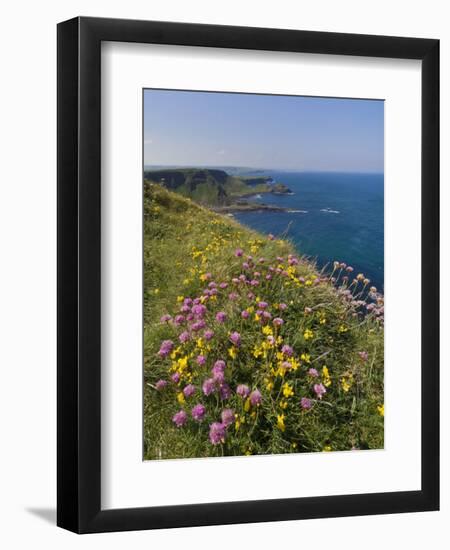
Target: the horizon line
pixel 273 169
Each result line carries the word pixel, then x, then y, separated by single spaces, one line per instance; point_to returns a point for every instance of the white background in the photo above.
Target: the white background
pixel 126 480
pixel 28 244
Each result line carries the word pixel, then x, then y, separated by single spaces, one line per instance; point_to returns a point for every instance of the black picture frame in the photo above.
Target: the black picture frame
pixel 79 280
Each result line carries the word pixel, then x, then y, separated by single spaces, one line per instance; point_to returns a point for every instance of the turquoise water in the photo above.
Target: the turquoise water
pixel 339 216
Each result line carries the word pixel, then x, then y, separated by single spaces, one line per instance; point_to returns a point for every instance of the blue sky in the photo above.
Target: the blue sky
pixel 263 131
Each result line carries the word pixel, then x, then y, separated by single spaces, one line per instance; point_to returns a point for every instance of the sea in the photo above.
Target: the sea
pixel 331 217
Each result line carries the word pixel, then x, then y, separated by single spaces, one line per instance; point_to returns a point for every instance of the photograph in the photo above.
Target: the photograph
pixel 263 274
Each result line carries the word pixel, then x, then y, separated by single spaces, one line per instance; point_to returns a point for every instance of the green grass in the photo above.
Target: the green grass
pixel 184 244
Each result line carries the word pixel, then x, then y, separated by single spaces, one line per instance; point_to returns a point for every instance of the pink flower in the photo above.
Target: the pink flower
pixel 175 377
pixel 223 285
pixel 208 386
pixel 189 390
pixel 198 325
pixel 238 252
pixel 201 360
pixel 282 306
pixel 278 321
pixel 263 305
pixel 217 433
pixel 242 390
pixel 221 317
pixel 199 310
pixel 235 338
pixel 208 334
pixel 218 371
pixel 184 337
pixel 198 412
pixel 166 348
pixel 245 314
pixel 225 391
pixel 287 350
pixel 305 403
pixel 233 296
pixel 285 365
pixel 220 365
pixel 363 355
pixel 161 384
pixel 165 318
pixel 320 390
pixel 313 372
pixel 255 397
pixel 179 319
pixel 179 418
pixel 227 417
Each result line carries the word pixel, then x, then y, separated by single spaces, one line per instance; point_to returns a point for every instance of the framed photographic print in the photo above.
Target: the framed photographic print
pixel 248 308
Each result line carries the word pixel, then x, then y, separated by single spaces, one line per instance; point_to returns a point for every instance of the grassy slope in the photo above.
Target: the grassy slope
pixel 183 241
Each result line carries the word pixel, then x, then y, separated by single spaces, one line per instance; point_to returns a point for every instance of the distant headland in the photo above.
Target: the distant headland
pixel 219 190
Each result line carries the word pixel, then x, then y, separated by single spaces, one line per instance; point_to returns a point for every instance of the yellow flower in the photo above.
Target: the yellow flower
pixel 294 363
pixel 247 404
pixel 269 384
pixel 280 422
pixel 232 352
pixel 182 362
pixel 186 282
pixel 180 298
pixel 287 390
pixel 156 291
pixel 180 398
pixel 267 330
pixel 380 409
pixel 308 334
pixel 283 404
pixel 326 376
pixel 203 277
pixel 294 445
pixel 342 328
pixel 347 382
pixel 257 317
pixel 327 449
pixel 257 352
pixel 175 352
pixel 305 357
pixel 239 421
pixel 200 343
